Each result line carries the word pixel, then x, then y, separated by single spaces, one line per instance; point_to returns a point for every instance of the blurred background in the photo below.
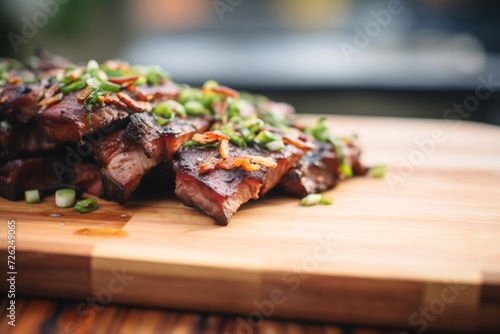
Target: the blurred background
pixel 403 58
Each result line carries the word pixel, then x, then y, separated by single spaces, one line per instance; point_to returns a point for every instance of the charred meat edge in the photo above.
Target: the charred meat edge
pixel 127 155
pixel 221 192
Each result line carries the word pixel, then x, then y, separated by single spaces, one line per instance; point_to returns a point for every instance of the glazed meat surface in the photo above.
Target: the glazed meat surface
pixel 221 192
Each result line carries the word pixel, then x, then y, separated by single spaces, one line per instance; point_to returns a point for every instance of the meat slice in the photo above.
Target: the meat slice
pixel 128 154
pixel 158 93
pixel 19 99
pixel 23 139
pixel 19 175
pixel 123 164
pixel 19 102
pixel 87 176
pixel 319 170
pixel 315 172
pixel 221 192
pixel 69 121
pixel 352 154
pixel 180 131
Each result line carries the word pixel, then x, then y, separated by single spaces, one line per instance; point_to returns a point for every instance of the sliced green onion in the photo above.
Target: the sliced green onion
pixel 111 73
pixel 234 137
pixel 99 74
pixel 30 80
pixel 142 80
pixel 378 171
pixel 346 170
pixel 65 198
pixel 32 196
pixel 313 199
pixel 87 205
pixel 74 86
pixel 320 130
pixel 337 142
pixel 169 109
pixel 233 110
pixel 265 137
pixel 270 141
pixel 190 94
pixel 253 124
pixel 195 108
pixel 192 143
pixel 154 74
pixel 109 87
pixel 310 200
pixel 275 145
pixel 326 200
pixel 94 82
pixel 161 120
pixel 92 65
pixel 93 98
pixel 210 84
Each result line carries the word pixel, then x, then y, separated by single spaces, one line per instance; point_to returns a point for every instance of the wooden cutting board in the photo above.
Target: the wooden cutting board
pixel 419 249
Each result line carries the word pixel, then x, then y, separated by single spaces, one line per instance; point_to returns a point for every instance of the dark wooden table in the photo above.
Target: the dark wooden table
pixel 46 316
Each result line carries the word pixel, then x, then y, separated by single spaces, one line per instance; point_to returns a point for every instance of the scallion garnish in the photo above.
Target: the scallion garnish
pixel 270 141
pixel 87 205
pixel 167 110
pixel 320 130
pixel 32 196
pixel 190 94
pixel 234 137
pixel 275 145
pixel 313 199
pixel 195 109
pixel 78 84
pixel 192 143
pixel 326 200
pixel 152 75
pixel 378 171
pixel 109 87
pixel 346 170
pixel 65 198
pixel 93 98
pixel 92 65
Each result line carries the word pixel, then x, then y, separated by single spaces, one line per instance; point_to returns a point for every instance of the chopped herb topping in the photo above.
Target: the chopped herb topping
pixel 313 199
pixel 378 171
pixel 93 99
pixel 321 132
pixel 152 75
pixel 164 112
pixel 86 205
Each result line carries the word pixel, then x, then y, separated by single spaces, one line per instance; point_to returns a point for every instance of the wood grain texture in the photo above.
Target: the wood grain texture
pixel 426 237
pixel 59 317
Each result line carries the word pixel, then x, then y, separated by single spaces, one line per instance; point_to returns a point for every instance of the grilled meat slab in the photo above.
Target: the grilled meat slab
pixel 128 154
pixel 180 131
pixel 68 120
pixel 221 192
pixel 19 175
pixel 19 102
pixel 319 170
pixel 123 164
pixel 22 139
pixel 315 172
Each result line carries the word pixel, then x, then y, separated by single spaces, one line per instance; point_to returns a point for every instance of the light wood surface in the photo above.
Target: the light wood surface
pixel 386 248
